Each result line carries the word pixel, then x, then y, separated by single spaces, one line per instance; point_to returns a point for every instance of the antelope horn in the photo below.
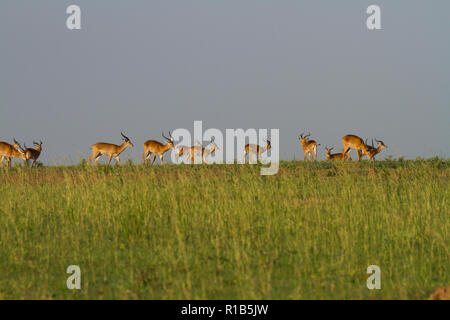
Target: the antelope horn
pixel 169 139
pixel 124 136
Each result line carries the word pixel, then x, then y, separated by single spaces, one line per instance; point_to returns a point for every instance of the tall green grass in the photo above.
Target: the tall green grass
pixel 225 232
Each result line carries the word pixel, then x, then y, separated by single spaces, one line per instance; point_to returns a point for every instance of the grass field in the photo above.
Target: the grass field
pixel 225 232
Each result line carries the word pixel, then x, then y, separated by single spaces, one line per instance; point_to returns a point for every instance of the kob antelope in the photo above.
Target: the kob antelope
pixel 199 150
pixel 8 151
pixel 309 146
pixel 336 156
pixel 372 151
pixel 182 150
pixel 32 153
pixel 207 152
pixel 109 149
pixel 256 149
pixel 157 148
pixel 351 141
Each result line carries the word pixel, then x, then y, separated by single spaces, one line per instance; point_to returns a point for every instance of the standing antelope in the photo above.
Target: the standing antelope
pixel 336 156
pixel 199 150
pixel 8 151
pixel 207 152
pixel 32 153
pixel 112 150
pixel 157 148
pixel 309 146
pixel 181 150
pixel 372 152
pixel 351 141
pixel 252 149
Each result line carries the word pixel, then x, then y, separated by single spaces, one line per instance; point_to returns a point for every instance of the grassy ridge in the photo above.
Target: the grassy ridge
pixel 225 232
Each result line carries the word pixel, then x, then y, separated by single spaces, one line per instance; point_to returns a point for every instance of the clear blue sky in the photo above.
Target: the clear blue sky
pixel 143 66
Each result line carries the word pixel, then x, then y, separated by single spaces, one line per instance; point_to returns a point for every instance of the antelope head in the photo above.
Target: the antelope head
pixel 125 140
pixel 304 138
pixel 268 145
pixel 381 144
pixel 36 144
pixel 169 140
pixel 16 145
pixel 214 145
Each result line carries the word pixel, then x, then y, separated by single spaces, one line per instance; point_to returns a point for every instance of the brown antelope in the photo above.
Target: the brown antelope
pixel 181 150
pixel 109 149
pixel 372 152
pixel 351 141
pixel 32 153
pixel 207 152
pixel 252 149
pixel 157 148
pixel 309 146
pixel 196 150
pixel 336 156
pixel 199 150
pixel 8 151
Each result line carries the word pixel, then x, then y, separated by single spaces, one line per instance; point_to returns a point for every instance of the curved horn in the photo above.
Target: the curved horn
pixel 124 136
pixel 165 136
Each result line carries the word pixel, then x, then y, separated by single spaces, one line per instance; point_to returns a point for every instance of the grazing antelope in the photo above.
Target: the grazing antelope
pixel 157 148
pixel 351 141
pixel 8 151
pixel 109 149
pixel 336 156
pixel 32 153
pixel 181 150
pixel 372 152
pixel 252 149
pixel 199 150
pixel 309 146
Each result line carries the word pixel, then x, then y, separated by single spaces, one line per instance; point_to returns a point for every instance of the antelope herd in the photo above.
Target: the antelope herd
pixel 154 148
pixel 15 150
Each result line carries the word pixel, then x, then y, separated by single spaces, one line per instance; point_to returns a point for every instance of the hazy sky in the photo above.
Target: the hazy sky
pixel 144 66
